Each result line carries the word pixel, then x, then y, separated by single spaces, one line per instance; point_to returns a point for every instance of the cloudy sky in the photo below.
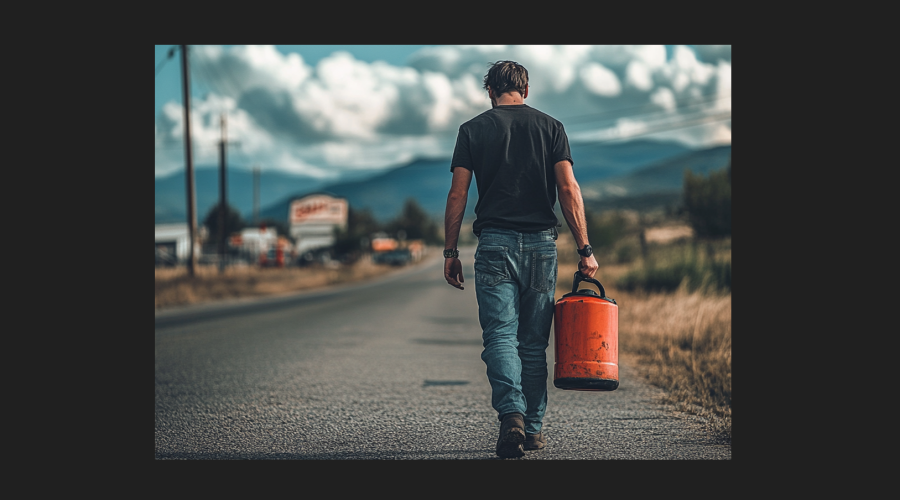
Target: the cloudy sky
pixel 324 110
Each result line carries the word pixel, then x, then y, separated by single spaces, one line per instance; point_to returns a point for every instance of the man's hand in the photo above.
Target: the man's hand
pixel 453 271
pixel 588 266
pixel 572 205
pixel 453 216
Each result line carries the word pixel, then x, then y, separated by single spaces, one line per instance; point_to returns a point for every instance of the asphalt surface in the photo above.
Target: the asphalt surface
pixel 390 369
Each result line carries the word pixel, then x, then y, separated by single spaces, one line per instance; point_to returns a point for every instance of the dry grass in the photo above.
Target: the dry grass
pixel 666 234
pixel 681 341
pixel 174 287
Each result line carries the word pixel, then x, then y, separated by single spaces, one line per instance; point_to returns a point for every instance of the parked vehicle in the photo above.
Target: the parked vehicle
pixel 398 257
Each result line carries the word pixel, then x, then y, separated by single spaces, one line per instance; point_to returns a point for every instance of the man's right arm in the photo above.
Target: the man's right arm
pixel 572 205
pixel 453 216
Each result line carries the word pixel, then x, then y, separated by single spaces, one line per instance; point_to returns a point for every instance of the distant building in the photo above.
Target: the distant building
pixel 173 244
pixel 313 220
pixel 262 245
pixel 254 241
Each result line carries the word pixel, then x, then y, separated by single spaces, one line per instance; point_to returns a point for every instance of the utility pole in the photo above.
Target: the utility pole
pixel 223 202
pixel 256 195
pixel 189 169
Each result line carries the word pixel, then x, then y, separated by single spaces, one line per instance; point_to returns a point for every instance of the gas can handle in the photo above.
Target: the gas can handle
pixel 581 277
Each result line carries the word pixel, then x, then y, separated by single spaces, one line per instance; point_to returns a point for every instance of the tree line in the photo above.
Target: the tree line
pixel 707 202
pixel 412 223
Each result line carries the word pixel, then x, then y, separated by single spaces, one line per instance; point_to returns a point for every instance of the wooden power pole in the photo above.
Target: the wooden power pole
pixel 189 168
pixel 223 201
pixel 256 195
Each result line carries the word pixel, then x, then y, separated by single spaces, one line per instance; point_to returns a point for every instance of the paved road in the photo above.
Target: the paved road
pixel 385 370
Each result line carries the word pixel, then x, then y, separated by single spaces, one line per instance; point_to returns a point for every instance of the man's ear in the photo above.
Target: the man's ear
pixel 526 92
pixel 490 93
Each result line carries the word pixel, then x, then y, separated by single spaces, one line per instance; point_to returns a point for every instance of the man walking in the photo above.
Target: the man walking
pixel 520 159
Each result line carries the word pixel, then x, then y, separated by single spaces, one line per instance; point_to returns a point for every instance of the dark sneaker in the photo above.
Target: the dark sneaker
pixel 534 441
pixel 512 435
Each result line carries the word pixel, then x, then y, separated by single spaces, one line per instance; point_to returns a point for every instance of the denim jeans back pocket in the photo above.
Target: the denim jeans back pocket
pixel 491 264
pixel 543 271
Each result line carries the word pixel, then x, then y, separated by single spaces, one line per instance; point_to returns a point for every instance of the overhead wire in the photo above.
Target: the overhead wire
pixel 163 62
pixel 233 79
pixel 664 127
pixel 225 83
pixel 617 113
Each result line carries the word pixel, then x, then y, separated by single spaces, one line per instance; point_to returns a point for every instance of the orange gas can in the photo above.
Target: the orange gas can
pixel 586 330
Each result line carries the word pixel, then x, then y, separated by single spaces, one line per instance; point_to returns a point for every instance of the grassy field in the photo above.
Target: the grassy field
pixel 175 288
pixel 680 340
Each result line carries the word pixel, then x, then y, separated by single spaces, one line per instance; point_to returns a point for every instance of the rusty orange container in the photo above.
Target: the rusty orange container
pixel 586 331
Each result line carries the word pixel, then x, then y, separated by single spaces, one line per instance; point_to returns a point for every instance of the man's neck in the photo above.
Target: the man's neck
pixel 509 99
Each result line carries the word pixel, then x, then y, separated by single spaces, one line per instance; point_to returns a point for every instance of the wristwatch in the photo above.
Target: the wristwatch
pixel 587 251
pixel 451 253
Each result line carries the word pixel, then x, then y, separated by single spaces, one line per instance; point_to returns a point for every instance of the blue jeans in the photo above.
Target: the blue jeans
pixel 515 281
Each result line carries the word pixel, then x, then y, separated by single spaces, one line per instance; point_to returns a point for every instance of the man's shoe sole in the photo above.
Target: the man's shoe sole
pixel 534 442
pixel 510 445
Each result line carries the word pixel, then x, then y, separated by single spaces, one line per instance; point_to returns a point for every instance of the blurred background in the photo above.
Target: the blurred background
pixel 328 154
pixel 315 165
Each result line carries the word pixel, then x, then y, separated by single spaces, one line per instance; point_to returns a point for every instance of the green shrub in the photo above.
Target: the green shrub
pixel 233 223
pixel 416 224
pixel 360 225
pixel 606 229
pixel 627 253
pixel 677 266
pixel 707 202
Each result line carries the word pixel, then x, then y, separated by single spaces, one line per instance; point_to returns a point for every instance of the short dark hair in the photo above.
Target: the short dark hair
pixel 506 76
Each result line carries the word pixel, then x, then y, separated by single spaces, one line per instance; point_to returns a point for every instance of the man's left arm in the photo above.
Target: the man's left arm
pixel 453 216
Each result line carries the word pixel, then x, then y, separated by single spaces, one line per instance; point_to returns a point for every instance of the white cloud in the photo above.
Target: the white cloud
pixel 599 80
pixel 723 85
pixel 347 113
pixel 637 74
pixel 617 57
pixel 241 68
pixel 664 97
pixel 704 135
pixel 292 163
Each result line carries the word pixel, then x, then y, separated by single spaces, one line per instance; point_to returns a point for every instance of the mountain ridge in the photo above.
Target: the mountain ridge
pixel 599 168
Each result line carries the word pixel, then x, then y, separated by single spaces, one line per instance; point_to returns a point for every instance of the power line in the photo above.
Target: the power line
pixel 198 146
pixel 692 122
pixel 216 80
pixel 208 80
pixel 168 56
pixel 709 98
pixel 652 129
pixel 236 84
pixel 225 82
pixel 664 127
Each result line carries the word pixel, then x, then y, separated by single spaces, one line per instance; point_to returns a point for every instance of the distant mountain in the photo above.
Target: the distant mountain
pixel 601 161
pixel 608 172
pixel 428 180
pixel 171 201
pixel 656 184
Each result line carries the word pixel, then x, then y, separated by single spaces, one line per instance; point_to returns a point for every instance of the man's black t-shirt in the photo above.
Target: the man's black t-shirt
pixel 512 150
